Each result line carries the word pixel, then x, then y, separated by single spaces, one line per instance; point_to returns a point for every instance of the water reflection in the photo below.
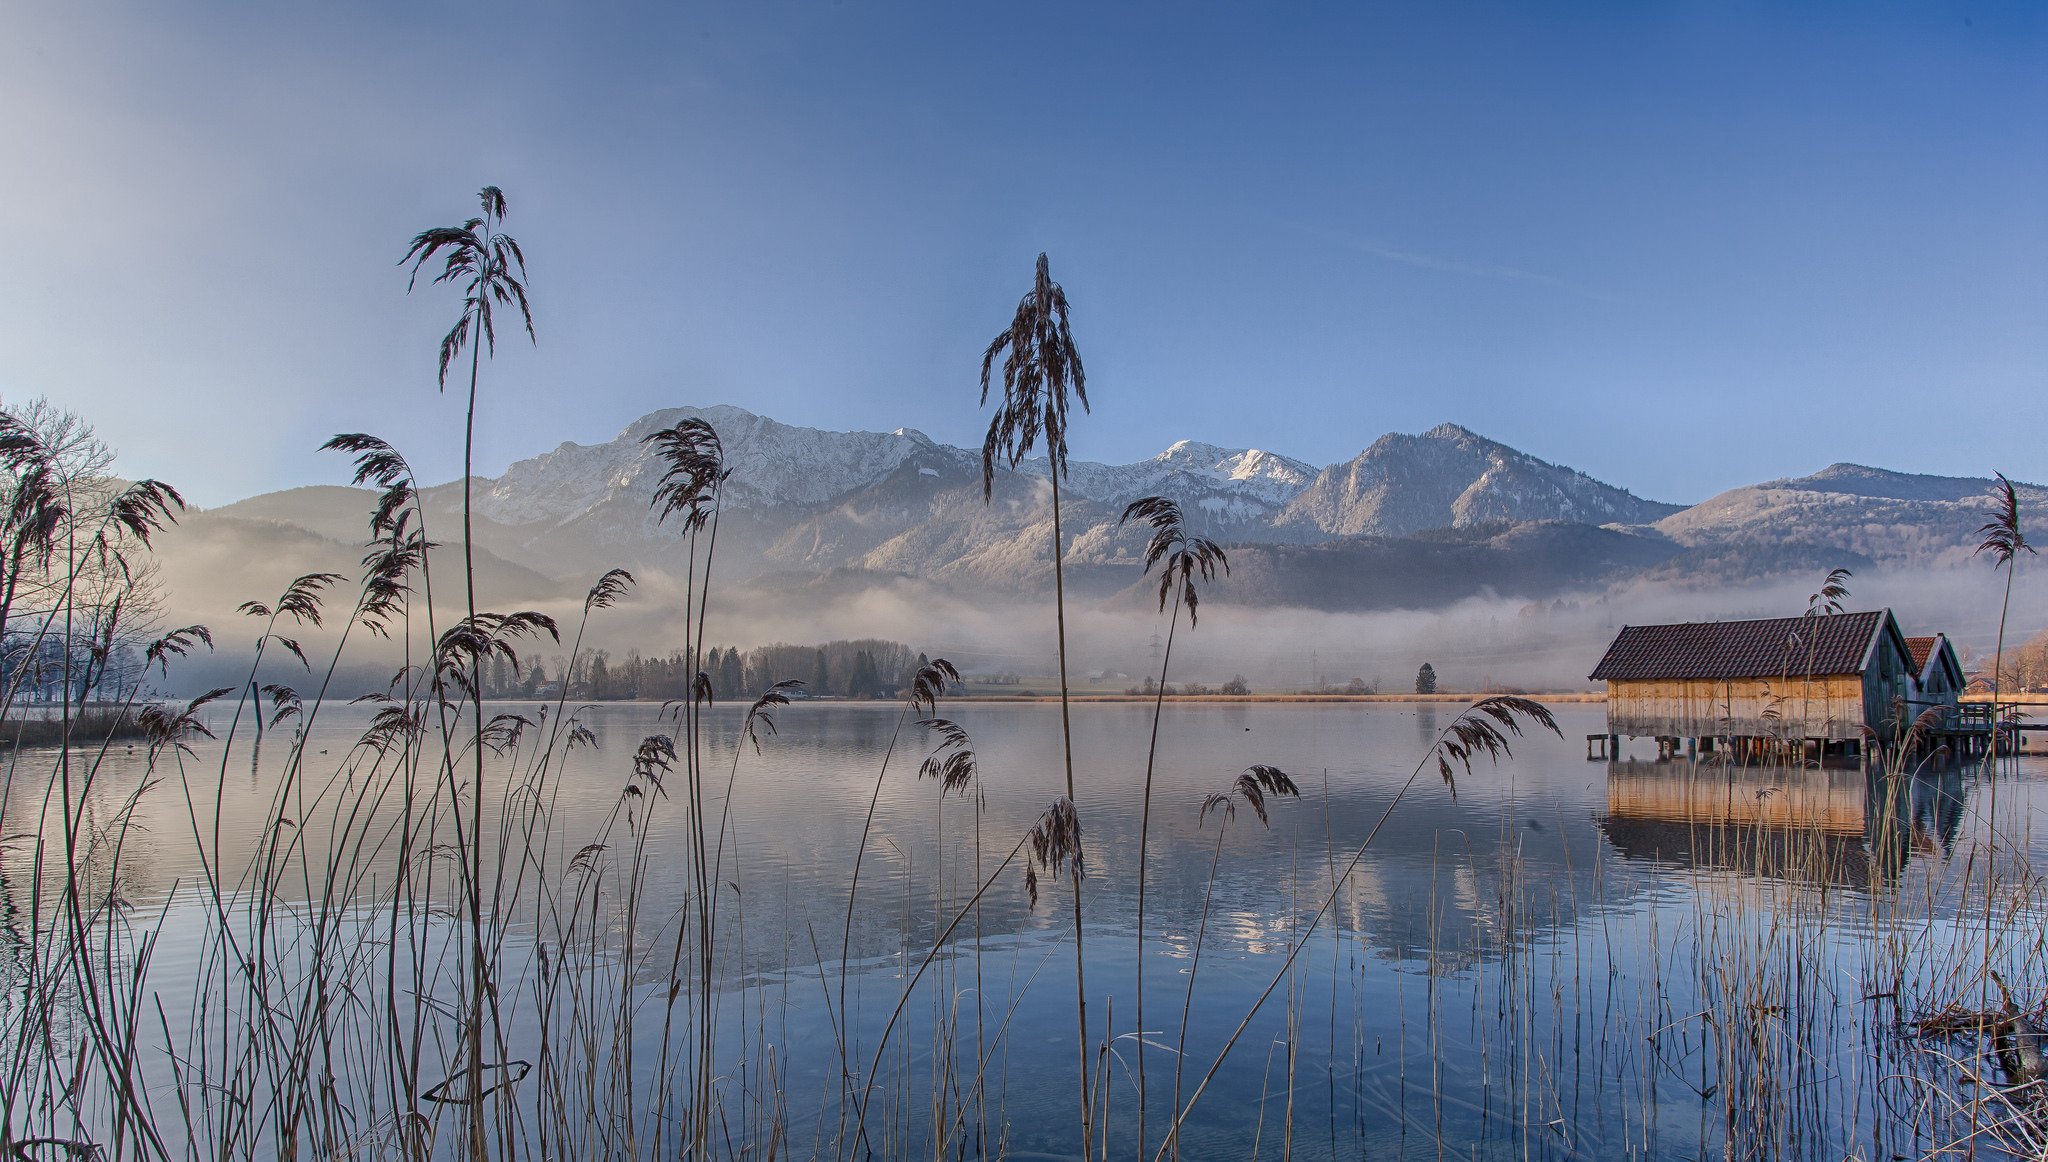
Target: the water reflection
pixel 1834 826
pixel 1511 927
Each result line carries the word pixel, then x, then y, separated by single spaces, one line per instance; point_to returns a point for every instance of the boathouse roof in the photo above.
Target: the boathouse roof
pixel 1935 653
pixel 1834 644
pixel 1921 648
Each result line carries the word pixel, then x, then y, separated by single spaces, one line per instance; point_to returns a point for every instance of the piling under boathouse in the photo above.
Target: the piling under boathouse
pixel 1825 682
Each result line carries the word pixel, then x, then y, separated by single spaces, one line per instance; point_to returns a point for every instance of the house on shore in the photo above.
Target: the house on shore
pixel 1820 680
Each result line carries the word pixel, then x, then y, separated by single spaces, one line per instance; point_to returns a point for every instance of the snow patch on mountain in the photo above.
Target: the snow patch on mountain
pixel 1452 477
pixel 773 464
pixel 1245 482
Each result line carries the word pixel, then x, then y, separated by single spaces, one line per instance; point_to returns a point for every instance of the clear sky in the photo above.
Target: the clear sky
pixel 1681 246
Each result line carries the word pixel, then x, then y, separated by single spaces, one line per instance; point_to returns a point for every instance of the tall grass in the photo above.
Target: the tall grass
pixel 1040 366
pixel 489 268
pixel 1180 558
pixel 416 951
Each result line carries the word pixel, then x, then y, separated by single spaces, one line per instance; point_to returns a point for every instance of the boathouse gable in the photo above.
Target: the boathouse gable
pixel 1938 675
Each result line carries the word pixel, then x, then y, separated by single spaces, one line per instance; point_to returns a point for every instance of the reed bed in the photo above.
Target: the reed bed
pixel 88 727
pixel 418 949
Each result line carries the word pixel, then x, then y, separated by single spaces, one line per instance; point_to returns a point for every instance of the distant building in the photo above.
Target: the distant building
pixel 1818 679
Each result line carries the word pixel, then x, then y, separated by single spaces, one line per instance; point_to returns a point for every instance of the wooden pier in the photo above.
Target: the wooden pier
pixel 1968 732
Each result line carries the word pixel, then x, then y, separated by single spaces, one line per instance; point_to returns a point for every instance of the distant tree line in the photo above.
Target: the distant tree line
pixel 1237 685
pixel 1354 687
pixel 862 668
pixel 35 666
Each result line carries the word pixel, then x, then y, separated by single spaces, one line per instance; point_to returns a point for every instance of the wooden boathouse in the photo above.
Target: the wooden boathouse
pixel 1822 681
pixel 1937 673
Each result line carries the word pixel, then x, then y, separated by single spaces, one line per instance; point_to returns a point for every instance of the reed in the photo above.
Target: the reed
pixel 1181 559
pixel 2005 541
pixel 1482 731
pixel 925 687
pixel 1040 366
pixel 1767 960
pixel 1251 788
pixel 489 268
pixel 407 950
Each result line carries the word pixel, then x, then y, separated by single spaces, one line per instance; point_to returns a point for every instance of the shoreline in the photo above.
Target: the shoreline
pixel 1466 699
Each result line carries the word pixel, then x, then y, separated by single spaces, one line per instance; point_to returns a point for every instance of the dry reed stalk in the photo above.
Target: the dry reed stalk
pixel 1040 365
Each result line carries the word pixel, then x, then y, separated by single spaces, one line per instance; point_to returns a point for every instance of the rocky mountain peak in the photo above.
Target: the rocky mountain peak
pixel 1456 432
pixel 1452 477
pixel 915 437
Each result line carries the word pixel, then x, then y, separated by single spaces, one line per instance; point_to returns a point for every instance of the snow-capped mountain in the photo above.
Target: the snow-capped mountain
pixel 1449 477
pixel 1413 517
pixel 773 464
pixel 776 464
pixel 1264 478
pixel 801 498
pixel 1236 491
pixel 1872 512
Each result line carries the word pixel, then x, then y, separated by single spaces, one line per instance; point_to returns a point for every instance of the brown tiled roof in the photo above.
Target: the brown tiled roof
pixel 1920 648
pixel 1741 649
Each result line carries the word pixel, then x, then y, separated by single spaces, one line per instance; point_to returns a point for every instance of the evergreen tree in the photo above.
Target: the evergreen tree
pixel 864 679
pixel 821 674
pixel 1425 679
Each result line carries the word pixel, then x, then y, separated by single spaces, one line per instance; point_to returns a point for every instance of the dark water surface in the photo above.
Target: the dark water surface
pixel 1568 959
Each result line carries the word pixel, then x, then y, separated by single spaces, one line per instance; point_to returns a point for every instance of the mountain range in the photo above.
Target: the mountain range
pixel 1412 521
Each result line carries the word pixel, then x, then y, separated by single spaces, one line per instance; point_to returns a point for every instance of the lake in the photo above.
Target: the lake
pixel 1569 958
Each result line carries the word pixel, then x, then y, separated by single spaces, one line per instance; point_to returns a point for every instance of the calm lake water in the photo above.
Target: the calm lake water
pixel 1568 959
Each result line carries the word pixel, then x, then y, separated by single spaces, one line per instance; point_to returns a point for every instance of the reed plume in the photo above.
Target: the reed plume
pixel 761 713
pixel 1040 365
pixel 1184 558
pixel 951 762
pixel 1055 842
pixel 689 489
pixel 489 268
pixel 1251 787
pixel 1834 588
pixel 926 685
pixel 2004 540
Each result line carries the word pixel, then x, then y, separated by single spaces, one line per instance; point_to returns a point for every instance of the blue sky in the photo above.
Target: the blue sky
pixel 1679 246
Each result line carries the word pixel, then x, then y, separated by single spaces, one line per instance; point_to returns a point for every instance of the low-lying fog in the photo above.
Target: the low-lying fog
pixel 1543 644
